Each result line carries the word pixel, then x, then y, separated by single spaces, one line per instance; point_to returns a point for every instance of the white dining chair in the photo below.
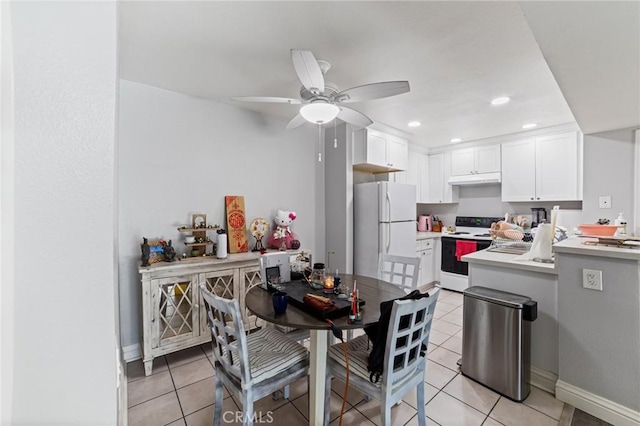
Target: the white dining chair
pixel 250 366
pixel 402 271
pixel 404 359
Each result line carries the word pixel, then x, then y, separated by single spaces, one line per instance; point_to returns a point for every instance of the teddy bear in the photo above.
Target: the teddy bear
pixel 283 221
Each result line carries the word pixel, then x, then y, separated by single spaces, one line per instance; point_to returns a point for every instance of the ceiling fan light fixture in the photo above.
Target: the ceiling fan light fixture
pixel 414 124
pixel 319 112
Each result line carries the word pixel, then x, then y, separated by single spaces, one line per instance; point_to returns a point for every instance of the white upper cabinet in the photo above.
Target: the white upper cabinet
pixel 377 152
pixel 418 174
pixel 519 170
pixel 439 171
pixel 480 159
pixel 544 168
pixel 397 153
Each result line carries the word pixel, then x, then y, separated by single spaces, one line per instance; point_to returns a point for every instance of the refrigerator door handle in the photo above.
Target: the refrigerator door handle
pixel 388 207
pixel 388 238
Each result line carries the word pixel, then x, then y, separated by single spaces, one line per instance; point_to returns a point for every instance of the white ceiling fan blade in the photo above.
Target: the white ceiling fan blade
pixel 271 99
pixel 354 117
pixel 296 121
pixel 308 70
pixel 372 91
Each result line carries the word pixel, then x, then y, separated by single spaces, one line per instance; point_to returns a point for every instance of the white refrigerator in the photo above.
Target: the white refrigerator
pixel 384 221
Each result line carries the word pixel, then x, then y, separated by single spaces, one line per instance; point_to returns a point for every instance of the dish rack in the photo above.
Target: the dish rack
pixel 506 245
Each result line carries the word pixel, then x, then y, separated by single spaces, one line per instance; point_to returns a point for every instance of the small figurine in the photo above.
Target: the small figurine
pixel 169 252
pixel 146 252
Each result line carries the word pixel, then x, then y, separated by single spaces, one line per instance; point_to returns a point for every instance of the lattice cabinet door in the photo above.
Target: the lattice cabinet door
pixel 222 283
pixel 249 278
pixel 175 309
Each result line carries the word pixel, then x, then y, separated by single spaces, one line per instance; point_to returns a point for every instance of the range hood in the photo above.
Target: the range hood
pixel 476 179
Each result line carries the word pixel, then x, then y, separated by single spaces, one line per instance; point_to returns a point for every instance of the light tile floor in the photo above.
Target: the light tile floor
pixel 181 391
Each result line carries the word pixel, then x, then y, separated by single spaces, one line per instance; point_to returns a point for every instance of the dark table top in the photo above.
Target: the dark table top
pixel 372 291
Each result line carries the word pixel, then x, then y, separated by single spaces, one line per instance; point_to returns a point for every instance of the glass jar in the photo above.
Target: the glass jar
pixel 318 275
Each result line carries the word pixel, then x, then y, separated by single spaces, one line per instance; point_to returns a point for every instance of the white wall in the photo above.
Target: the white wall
pixel 180 155
pixel 64 337
pixel 6 216
pixel 608 170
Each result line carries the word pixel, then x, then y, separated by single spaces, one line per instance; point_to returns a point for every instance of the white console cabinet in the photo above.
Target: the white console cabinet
pixel 173 313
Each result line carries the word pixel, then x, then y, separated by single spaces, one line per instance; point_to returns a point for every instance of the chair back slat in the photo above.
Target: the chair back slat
pixel 227 334
pixel 409 328
pixel 399 270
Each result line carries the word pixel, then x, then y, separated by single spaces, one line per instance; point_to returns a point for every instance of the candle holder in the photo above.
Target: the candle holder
pixel 328 284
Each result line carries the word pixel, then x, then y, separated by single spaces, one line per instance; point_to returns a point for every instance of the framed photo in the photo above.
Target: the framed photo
pixel 156 252
pixel 272 274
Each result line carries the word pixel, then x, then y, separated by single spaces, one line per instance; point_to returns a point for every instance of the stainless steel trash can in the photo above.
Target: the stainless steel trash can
pixel 496 340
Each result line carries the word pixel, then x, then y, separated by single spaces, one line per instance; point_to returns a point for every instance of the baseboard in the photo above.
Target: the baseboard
pixel 543 379
pixel 132 352
pixel 597 406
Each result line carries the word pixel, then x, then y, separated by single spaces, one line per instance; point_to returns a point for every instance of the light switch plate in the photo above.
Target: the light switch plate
pixel 605 201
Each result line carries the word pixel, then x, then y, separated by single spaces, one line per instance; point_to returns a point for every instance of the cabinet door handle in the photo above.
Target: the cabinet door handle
pixel 538 198
pixel 532 198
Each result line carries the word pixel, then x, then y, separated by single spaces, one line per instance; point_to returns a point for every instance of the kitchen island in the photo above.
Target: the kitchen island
pixel 599 331
pixel 585 343
pixel 539 281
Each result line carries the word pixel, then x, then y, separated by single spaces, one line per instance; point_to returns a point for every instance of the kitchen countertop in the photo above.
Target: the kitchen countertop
pixel 427 235
pixel 506 260
pixel 575 245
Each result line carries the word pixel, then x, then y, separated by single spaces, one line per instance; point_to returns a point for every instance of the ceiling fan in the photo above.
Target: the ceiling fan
pixel 321 101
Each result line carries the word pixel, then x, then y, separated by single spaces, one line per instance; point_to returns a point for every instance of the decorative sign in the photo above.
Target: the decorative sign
pixel 236 224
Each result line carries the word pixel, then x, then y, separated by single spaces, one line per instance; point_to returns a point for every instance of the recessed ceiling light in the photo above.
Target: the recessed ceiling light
pixel 414 124
pixel 500 101
pixel 529 125
pixel 456 140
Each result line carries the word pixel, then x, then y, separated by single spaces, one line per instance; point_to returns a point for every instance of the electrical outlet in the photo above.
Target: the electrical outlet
pixel 605 202
pixel 592 279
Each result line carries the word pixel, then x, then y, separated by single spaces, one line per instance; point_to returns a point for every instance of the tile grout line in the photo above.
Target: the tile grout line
pixel 175 390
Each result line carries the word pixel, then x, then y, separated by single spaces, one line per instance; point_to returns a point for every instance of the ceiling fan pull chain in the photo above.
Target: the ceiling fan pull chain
pixel 319 143
pixel 335 137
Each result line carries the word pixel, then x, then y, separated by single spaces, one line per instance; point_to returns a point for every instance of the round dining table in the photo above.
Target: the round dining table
pixel 371 290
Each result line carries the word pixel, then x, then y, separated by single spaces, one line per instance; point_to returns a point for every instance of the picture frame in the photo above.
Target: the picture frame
pixel 272 275
pixel 156 252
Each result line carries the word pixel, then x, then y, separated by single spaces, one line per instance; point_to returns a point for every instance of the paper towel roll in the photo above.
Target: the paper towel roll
pixel 221 248
pixel 541 246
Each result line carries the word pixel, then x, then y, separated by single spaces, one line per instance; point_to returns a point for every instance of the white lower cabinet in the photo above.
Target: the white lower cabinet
pixel 426 251
pixel 173 313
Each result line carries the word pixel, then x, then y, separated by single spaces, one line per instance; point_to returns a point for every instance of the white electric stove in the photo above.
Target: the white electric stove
pixel 454 273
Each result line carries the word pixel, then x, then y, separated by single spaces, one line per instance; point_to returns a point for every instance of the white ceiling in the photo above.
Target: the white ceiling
pixel 457 56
